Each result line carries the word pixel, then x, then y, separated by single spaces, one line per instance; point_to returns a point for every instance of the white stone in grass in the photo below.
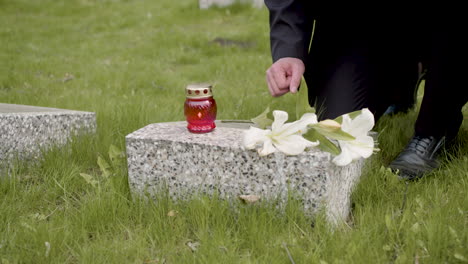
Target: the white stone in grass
pixel 165 156
pixel 26 130
pixel 205 4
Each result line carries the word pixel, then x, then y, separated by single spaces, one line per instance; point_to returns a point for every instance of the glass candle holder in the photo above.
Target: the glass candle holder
pixel 200 108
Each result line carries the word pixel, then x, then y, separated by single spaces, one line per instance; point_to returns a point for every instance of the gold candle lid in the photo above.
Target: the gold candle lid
pixel 198 90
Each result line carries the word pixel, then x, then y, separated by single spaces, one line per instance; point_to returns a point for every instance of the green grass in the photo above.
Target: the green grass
pixel 130 62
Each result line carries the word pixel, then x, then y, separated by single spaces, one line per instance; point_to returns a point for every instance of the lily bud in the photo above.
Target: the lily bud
pixel 329 124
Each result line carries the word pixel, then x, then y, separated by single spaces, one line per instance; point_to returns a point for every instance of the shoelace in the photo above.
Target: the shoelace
pixel 420 145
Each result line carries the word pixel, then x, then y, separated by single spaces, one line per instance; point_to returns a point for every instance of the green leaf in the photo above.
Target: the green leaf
pixel 388 222
pixel 89 179
pixel 38 216
pixel 420 203
pixel 302 102
pixel 262 121
pixel 453 233
pixel 104 167
pixel 115 154
pixel 420 243
pixel 387 247
pixel 337 134
pixel 352 115
pixel 415 228
pixel 325 143
pixel 355 114
pixel 27 226
pixel 460 257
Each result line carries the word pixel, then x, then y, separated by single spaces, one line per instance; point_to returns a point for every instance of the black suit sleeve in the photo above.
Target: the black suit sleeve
pixel 290 28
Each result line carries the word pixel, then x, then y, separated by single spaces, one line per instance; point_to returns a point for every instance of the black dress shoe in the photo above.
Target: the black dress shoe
pixel 418 157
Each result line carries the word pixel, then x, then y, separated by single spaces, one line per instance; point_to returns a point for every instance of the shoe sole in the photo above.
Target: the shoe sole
pixel 404 174
pixel 410 172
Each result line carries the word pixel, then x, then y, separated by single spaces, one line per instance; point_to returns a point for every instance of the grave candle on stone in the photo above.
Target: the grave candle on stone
pixel 200 108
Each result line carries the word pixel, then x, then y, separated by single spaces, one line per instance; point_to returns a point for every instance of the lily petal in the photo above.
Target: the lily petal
pixel 254 136
pixel 267 148
pixel 346 123
pixel 352 150
pixel 284 137
pixel 363 146
pixel 299 126
pixel 361 124
pixel 294 144
pixel 280 118
pixel 344 158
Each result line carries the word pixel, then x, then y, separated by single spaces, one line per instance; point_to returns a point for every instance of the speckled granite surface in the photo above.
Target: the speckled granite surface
pixel 167 155
pixel 26 130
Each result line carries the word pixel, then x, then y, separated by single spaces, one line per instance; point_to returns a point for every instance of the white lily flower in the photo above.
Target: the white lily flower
pixel 284 137
pixel 362 145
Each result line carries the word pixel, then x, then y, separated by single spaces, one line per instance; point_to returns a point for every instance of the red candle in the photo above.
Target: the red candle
pixel 200 108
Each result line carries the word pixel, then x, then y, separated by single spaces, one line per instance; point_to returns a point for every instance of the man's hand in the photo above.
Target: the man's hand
pixel 285 76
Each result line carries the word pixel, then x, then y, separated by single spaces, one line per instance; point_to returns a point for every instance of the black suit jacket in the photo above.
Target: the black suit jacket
pixel 292 21
pixel 291 25
pixel 340 27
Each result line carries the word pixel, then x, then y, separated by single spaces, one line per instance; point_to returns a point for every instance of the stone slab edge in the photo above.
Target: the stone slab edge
pixel 227 136
pixel 23 134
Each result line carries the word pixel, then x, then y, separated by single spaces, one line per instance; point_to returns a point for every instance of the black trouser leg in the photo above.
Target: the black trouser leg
pixel 351 68
pixel 445 90
pixel 347 85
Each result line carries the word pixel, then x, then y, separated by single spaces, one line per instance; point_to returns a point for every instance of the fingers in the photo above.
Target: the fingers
pixel 273 88
pixel 285 76
pixel 296 77
pixel 276 80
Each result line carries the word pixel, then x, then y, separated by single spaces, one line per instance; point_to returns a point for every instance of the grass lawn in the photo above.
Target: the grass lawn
pixel 129 61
